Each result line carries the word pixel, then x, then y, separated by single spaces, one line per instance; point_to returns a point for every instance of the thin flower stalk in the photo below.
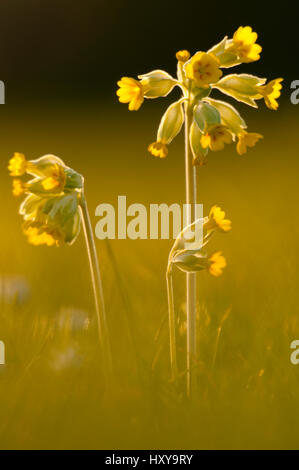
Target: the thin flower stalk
pixel 97 287
pixel 191 300
pixel 171 320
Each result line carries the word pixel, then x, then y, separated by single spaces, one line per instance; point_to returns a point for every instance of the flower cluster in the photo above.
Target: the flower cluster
pixel 214 123
pixel 50 209
pixel 193 258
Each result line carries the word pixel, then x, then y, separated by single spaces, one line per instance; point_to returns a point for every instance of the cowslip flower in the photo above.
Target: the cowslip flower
pixel 216 137
pixel 217 221
pixel 247 139
pixel 43 234
pixel 189 255
pixel 18 187
pixel 270 92
pixel 212 122
pixel 50 209
pixel 17 165
pixel 217 263
pixel 241 48
pixel 158 149
pixel 244 44
pixel 193 261
pixel 203 69
pixel 130 91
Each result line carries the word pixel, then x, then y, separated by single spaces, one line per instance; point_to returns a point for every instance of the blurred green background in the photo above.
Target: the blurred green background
pixel 60 63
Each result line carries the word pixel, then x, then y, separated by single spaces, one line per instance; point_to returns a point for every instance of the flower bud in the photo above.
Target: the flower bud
pixel 182 56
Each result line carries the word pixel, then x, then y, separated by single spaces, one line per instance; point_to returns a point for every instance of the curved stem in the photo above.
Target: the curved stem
pixel 190 174
pixel 171 319
pixel 97 287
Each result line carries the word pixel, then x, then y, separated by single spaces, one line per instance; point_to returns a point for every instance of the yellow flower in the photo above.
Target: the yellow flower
pixel 183 56
pixel 42 234
pixel 270 92
pixel 203 68
pixel 18 187
pixel 244 44
pixel 215 137
pixel 247 139
pixel 217 220
pixel 130 91
pixel 56 180
pixel 17 165
pixel 158 149
pixel 217 263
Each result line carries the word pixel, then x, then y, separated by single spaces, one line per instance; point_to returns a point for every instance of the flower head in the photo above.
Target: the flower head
pixel 244 44
pixel 130 91
pixel 247 139
pixel 270 92
pixel 217 263
pixel 158 149
pixel 204 69
pixel 183 56
pixel 17 165
pixel 211 123
pixel 215 137
pixel 50 209
pixel 217 221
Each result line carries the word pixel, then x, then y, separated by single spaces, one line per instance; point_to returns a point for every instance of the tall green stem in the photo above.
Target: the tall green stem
pixel 97 288
pixel 191 277
pixel 172 336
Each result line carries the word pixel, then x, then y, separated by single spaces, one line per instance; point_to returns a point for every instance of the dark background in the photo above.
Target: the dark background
pixel 54 49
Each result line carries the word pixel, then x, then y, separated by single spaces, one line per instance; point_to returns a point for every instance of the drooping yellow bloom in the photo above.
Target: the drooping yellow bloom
pixel 18 187
pixel 270 92
pixel 217 263
pixel 56 180
pixel 42 234
pixel 217 221
pixel 158 149
pixel 17 165
pixel 244 44
pixel 215 137
pixel 204 69
pixel 183 56
pixel 247 139
pixel 130 91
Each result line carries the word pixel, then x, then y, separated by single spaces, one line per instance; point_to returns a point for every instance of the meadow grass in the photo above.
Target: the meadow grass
pixel 51 389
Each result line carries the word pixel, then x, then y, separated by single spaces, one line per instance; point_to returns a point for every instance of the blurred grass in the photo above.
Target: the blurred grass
pixel 51 389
